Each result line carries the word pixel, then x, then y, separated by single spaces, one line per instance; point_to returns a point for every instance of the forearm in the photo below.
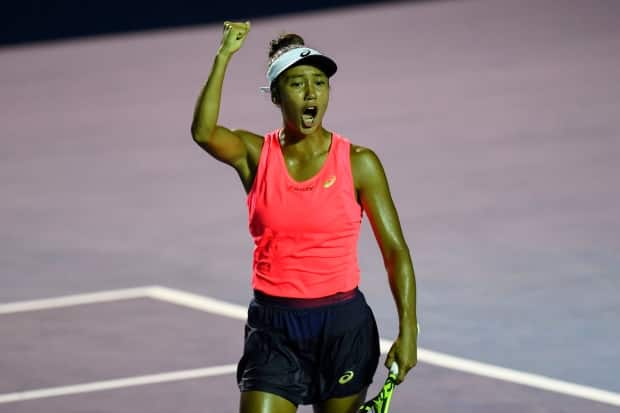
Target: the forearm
pixel 207 107
pixel 402 283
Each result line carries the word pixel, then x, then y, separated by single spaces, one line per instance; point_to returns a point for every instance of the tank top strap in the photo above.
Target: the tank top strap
pixel 261 169
pixel 341 148
pixel 342 163
pixel 270 141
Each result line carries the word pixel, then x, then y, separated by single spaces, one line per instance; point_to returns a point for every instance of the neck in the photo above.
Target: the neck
pixel 301 141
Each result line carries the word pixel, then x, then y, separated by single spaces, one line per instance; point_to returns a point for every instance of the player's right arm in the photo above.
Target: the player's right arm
pixel 236 148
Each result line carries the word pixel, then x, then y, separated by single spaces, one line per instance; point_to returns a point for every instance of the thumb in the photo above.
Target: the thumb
pixel 390 358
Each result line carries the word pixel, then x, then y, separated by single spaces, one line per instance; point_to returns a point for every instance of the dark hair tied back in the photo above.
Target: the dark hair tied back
pixel 284 41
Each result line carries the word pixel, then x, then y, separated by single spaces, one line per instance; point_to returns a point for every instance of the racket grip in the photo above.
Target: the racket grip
pixel 394 368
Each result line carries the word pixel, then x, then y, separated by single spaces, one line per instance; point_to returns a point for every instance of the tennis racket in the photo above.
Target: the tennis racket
pixel 381 402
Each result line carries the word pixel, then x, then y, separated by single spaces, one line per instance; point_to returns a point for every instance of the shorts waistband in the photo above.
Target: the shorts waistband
pixel 288 302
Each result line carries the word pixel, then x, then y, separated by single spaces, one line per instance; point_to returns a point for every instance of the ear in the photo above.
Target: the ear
pixel 275 95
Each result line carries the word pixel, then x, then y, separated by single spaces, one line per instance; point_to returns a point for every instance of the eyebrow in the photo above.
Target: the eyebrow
pixel 315 74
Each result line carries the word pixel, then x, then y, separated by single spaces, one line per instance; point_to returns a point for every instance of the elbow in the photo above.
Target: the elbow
pixel 396 256
pixel 199 133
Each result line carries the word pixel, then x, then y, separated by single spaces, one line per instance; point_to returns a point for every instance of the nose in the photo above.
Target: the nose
pixel 310 91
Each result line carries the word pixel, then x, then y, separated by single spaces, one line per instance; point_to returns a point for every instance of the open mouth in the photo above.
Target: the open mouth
pixel 308 115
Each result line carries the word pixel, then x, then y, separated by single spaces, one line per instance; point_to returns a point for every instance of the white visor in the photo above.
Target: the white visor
pixel 296 55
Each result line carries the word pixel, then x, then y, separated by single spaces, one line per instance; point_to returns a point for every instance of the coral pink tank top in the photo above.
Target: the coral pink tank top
pixel 305 233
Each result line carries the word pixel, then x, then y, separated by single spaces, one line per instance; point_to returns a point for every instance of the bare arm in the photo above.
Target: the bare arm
pixel 231 147
pixel 374 194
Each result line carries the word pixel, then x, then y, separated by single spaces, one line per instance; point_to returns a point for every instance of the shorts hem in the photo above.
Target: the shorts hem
pixel 274 390
pixel 347 394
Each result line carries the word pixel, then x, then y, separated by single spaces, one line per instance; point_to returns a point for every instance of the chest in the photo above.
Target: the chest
pixel 310 194
pixel 304 168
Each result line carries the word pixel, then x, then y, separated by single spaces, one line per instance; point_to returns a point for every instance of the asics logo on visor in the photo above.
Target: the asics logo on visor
pixel 305 53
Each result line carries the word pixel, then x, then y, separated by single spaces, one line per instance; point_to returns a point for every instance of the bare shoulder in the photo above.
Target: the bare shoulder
pixel 252 141
pixel 362 154
pixel 365 165
pixel 249 138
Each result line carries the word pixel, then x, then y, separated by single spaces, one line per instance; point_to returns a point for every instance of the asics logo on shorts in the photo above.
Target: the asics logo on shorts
pixel 346 377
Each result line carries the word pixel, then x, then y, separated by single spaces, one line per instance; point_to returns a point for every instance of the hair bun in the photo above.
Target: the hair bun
pixel 284 41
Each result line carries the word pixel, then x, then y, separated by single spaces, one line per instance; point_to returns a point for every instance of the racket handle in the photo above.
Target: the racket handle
pixel 394 368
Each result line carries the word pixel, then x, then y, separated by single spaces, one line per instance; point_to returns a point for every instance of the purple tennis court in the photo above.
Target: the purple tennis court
pixel 125 263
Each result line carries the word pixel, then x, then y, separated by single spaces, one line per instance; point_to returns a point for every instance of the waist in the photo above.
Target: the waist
pixel 288 302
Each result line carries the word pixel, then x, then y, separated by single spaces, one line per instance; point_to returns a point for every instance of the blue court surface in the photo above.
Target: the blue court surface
pixel 125 256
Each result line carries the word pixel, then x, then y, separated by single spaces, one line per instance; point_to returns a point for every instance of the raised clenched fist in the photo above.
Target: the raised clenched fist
pixel 234 36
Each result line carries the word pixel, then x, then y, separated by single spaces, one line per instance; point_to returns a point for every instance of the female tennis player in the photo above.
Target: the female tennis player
pixel 310 337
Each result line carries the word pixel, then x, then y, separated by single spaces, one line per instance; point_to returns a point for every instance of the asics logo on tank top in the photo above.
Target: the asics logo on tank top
pixel 329 182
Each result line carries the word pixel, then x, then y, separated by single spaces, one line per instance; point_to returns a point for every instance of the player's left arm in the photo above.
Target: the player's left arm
pixel 374 195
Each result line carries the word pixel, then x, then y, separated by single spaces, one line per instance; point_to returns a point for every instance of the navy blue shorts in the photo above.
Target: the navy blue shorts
pixel 308 351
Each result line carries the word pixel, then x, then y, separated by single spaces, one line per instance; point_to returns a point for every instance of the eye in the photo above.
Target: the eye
pixel 296 84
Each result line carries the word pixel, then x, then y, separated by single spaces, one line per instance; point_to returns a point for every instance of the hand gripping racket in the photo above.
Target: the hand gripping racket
pixel 381 402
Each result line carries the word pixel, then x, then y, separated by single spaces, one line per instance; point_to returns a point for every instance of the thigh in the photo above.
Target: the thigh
pixel 263 402
pixel 349 404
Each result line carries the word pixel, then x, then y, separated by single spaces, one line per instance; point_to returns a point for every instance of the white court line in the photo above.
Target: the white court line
pixel 519 377
pixel 198 302
pixel 118 383
pixel 77 299
pixel 235 311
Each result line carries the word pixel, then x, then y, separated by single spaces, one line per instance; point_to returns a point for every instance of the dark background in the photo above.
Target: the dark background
pixel 44 20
